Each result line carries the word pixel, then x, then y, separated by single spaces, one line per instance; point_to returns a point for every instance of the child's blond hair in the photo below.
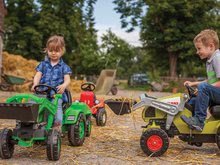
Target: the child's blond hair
pixel 56 43
pixel 207 36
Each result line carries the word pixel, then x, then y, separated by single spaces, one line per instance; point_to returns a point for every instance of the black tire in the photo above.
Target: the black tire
pixel 198 144
pixel 154 142
pixel 6 145
pixel 76 132
pixel 101 117
pixel 4 87
pixel 53 145
pixel 114 90
pixel 217 138
pixel 88 126
pixel 94 115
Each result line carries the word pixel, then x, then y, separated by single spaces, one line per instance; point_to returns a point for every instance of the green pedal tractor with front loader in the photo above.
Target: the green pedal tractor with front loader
pixel 34 115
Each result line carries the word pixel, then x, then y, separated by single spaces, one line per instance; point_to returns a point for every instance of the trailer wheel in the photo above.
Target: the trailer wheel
pixel 114 90
pixel 154 142
pixel 53 145
pixel 76 132
pixel 101 117
pixel 88 126
pixel 4 87
pixel 217 137
pixel 6 146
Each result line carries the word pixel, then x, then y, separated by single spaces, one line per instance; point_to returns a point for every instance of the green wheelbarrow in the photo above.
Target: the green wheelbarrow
pixel 9 80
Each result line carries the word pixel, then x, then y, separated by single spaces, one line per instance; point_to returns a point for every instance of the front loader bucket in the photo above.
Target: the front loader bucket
pixel 119 107
pixel 19 111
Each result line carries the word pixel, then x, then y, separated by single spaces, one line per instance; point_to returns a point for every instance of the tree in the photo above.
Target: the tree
pixel 91 62
pixel 168 27
pixel 117 54
pixel 22 35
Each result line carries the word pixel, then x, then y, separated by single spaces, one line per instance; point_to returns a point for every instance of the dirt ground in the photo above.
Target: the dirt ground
pixel 117 143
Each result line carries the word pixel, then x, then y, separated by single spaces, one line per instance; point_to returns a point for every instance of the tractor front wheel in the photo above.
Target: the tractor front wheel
pixel 6 145
pixel 101 117
pixel 53 145
pixel 76 132
pixel 154 142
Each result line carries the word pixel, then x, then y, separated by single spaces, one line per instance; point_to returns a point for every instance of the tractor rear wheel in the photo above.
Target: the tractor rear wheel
pixel 101 117
pixel 114 90
pixel 6 145
pixel 88 126
pixel 53 145
pixel 154 142
pixel 76 132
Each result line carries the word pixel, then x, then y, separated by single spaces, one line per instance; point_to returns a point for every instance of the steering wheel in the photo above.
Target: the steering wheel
pixel 192 91
pixel 44 89
pixel 88 86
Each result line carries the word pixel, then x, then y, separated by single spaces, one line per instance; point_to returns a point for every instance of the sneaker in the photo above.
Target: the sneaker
pixel 193 123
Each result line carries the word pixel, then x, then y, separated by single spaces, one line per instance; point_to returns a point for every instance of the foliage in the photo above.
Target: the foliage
pixel 168 27
pixel 193 69
pixel 21 36
pixel 167 30
pixel 117 53
pixel 131 13
pixel 30 23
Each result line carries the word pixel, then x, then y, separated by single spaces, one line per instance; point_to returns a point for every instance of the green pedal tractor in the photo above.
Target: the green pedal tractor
pixel 34 115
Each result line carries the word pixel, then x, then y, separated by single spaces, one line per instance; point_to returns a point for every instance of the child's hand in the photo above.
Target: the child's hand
pixel 61 88
pixel 187 83
pixel 32 88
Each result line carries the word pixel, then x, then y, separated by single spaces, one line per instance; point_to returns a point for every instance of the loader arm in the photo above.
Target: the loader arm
pixel 168 108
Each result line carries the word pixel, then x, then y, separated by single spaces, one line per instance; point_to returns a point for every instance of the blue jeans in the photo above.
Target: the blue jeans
pixel 59 114
pixel 207 95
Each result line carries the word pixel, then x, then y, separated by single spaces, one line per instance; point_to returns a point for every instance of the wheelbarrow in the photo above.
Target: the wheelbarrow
pixel 106 82
pixel 9 81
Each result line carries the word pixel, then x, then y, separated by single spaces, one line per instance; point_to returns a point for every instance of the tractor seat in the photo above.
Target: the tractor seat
pixel 88 97
pixel 68 101
pixel 215 111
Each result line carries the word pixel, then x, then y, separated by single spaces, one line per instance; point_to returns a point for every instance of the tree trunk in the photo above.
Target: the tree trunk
pixel 3 12
pixel 172 64
pixel 1 50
